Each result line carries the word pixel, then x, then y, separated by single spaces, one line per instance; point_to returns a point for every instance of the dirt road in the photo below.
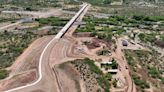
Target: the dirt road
pixel 48 81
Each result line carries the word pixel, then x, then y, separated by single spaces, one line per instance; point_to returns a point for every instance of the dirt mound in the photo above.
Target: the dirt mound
pixel 24 69
pixel 92 45
pixel 108 43
pixel 160 43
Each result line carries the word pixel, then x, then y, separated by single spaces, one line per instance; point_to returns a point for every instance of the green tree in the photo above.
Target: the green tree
pixel 107 1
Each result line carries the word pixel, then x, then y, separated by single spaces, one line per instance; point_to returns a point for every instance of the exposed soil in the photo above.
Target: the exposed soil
pixel 160 43
pixel 108 43
pixel 18 80
pixel 68 75
pixel 24 69
pixel 82 34
pixel 92 45
pixel 30 57
pixel 87 76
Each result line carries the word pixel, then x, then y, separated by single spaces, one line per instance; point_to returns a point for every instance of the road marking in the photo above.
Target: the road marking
pixel 42 54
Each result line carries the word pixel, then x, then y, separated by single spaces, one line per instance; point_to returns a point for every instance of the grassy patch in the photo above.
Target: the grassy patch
pixel 3 74
pixel 92 66
pixel 153 72
pixel 147 37
pixel 12 45
pixel 102 79
pixel 149 62
pixel 139 82
pixel 53 21
pixel 98 2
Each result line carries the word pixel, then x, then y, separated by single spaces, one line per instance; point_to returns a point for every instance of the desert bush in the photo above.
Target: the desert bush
pixel 153 72
pixel 3 74
pixel 54 21
pixel 139 82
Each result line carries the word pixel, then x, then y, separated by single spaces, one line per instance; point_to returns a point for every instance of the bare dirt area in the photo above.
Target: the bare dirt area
pixel 29 59
pixel 81 77
pixel 18 80
pixel 92 45
pixel 93 42
pixel 68 75
pixel 45 14
pixel 83 34
pixel 24 69
pixel 108 43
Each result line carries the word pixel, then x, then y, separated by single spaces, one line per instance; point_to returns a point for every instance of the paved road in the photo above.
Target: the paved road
pixel 44 81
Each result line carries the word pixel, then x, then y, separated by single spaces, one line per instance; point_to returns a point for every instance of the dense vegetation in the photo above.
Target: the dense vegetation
pixel 154 72
pixel 152 38
pixel 140 82
pixel 100 27
pixel 148 18
pixel 74 2
pixel 53 21
pixel 92 66
pixel 119 22
pixel 150 64
pixel 103 80
pixel 98 2
pixel 11 46
pixel 147 37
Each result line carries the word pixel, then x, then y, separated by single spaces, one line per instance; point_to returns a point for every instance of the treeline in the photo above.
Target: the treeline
pixel 118 20
pixel 98 2
pixel 53 21
pixel 148 18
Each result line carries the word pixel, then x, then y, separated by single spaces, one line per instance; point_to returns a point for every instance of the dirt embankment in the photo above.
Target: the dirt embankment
pixel 24 69
pixel 84 79
pixel 69 78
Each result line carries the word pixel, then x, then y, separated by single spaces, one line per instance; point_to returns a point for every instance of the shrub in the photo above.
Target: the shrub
pixel 147 37
pixel 139 82
pixel 53 21
pixel 3 74
pixel 138 17
pixel 162 80
pixel 92 66
pixel 114 64
pixel 104 83
pixel 102 79
pixel 154 18
pixel 154 72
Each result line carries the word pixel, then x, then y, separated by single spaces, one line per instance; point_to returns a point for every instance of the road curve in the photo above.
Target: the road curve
pixel 58 36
